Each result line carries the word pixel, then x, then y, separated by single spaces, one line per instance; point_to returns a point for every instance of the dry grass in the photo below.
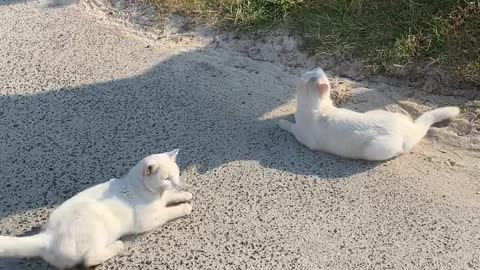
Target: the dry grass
pixel 383 33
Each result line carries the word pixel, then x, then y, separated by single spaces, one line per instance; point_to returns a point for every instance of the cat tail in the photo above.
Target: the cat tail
pixel 28 246
pixel 424 121
pixel 434 116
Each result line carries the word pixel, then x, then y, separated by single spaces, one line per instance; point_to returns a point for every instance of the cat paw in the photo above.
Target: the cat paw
pixel 187 208
pixel 285 124
pixel 188 196
pixel 97 256
pixel 118 247
pixel 177 197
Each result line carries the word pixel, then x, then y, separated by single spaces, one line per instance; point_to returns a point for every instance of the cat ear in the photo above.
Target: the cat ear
pixel 173 154
pixel 150 168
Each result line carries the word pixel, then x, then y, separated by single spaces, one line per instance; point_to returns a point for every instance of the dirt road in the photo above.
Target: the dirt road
pixel 82 99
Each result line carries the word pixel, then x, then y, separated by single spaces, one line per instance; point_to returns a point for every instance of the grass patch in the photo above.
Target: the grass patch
pixel 241 15
pixel 385 34
pixel 397 32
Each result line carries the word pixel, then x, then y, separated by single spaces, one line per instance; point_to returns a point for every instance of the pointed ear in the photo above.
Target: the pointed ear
pixel 150 168
pixel 173 154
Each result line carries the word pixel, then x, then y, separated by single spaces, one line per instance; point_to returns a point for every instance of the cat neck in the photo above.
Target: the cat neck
pixel 315 104
pixel 136 186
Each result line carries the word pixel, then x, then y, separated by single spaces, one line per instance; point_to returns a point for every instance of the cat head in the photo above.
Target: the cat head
pixel 317 81
pixel 314 84
pixel 159 171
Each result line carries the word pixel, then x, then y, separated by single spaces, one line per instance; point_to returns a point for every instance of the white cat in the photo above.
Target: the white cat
pixel 374 135
pixel 87 227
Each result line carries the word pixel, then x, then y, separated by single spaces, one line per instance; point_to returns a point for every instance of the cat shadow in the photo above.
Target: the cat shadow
pixel 59 142
pixel 46 3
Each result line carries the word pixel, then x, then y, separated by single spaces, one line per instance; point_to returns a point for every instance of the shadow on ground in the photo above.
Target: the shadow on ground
pixel 79 137
pixel 61 141
pixel 48 3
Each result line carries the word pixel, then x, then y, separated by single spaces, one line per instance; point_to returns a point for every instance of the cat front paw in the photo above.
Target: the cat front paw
pixel 188 196
pixel 285 125
pixel 175 197
pixel 119 247
pixel 187 208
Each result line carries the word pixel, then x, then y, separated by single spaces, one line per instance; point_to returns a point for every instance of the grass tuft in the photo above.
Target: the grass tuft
pixel 385 34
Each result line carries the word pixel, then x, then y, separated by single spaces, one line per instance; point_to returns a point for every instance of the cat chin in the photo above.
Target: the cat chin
pixel 166 185
pixel 159 188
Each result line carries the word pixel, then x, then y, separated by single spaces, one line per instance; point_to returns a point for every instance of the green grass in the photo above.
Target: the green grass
pixel 243 15
pixel 385 34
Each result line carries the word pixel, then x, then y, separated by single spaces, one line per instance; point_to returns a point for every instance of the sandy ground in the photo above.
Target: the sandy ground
pixel 82 99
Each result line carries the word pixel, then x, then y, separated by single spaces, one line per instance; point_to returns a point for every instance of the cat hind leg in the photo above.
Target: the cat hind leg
pixel 99 255
pixel 383 148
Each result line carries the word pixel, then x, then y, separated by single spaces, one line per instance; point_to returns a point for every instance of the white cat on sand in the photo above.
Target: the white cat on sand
pixel 87 228
pixel 374 135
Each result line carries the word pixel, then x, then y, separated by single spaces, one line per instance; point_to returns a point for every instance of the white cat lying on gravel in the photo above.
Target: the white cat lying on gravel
pixel 374 135
pixel 86 228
